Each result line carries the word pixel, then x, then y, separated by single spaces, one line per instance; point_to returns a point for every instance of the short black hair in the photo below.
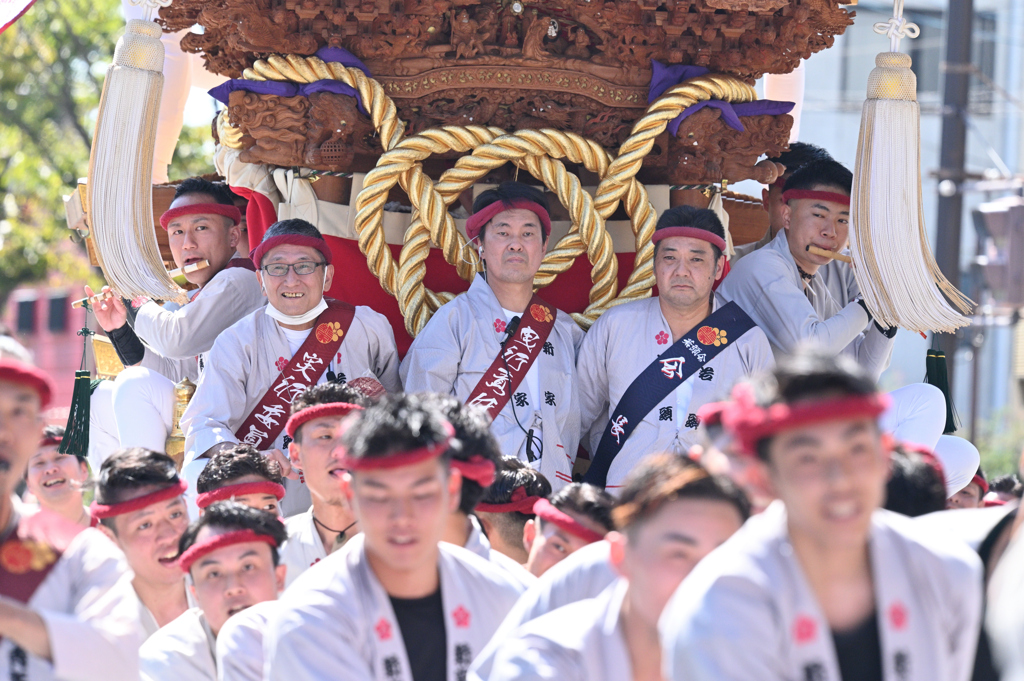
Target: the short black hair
pixel 507 192
pixel 829 174
pixel 472 427
pixel 800 154
pixel 915 486
pixel 807 374
pixel 130 469
pixel 662 478
pixel 293 226
pixel 398 423
pixel 327 393
pixel 691 216
pixel 588 501
pixel 1007 484
pixel 241 460
pixel 218 191
pixel 53 431
pixel 231 515
pixel 510 476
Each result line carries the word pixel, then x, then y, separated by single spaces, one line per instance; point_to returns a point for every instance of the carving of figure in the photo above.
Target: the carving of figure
pixel 580 44
pixel 510 35
pixel 464 36
pixel 533 41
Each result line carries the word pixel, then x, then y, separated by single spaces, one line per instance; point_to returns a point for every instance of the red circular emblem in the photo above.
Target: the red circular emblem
pixel 15 557
pixel 804 629
pixel 540 313
pixel 706 335
pixel 324 333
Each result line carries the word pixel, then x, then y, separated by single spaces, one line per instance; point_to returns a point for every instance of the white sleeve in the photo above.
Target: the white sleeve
pixel 432 363
pixel 383 350
pixel 535 658
pixel 757 354
pixel 313 643
pixel 172 369
pixel 964 596
pixel 219 399
pixel 99 640
pixel 592 376
pixel 727 633
pixel 240 649
pixel 193 328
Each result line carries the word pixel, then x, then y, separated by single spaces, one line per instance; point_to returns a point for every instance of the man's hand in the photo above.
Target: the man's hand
pixel 283 461
pixel 110 312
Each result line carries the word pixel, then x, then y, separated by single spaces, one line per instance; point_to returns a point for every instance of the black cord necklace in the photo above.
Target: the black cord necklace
pixel 341 533
pixel 804 275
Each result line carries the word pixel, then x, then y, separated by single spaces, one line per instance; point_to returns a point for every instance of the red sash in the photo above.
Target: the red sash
pixel 261 428
pixel 31 552
pixel 509 368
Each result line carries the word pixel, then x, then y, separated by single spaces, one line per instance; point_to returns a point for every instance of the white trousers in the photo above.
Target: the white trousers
pixel 103 439
pixel 134 410
pixel 918 416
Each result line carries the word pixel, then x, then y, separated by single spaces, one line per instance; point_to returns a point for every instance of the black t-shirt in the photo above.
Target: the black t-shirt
pixel 859 651
pixel 422 623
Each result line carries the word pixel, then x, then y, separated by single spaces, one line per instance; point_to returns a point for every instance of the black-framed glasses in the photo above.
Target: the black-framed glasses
pixel 280 269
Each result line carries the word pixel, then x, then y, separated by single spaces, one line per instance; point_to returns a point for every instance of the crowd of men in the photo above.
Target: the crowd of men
pixel 705 485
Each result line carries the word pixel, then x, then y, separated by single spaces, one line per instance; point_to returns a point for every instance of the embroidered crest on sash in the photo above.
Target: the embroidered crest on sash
pixel 542 313
pixel 20 556
pixel 329 332
pixel 709 335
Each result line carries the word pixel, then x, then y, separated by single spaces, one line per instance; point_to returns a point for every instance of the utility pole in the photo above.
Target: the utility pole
pixel 959 20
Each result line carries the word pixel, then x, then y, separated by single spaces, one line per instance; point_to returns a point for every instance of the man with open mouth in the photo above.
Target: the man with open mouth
pixel 140 506
pixel 268 358
pixel 231 555
pixel 160 345
pixel 396 603
pixel 56 479
pixel 60 616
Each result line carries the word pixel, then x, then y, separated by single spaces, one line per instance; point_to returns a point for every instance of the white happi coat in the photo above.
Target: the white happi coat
pixel 243 365
pixel 619 346
pixel 183 649
pixel 767 285
pixel 582 641
pixel 747 612
pixel 303 549
pixel 178 338
pixel 337 621
pixel 582 575
pixel 240 643
pixel 458 345
pixel 94 633
pixel 1004 619
pixel 478 544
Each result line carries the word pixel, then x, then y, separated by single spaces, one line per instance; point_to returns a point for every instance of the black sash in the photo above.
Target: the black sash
pixel 672 367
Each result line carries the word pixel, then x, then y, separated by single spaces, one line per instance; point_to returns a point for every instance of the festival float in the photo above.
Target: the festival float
pixel 379 120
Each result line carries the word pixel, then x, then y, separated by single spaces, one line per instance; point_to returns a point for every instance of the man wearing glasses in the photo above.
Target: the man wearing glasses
pixel 261 363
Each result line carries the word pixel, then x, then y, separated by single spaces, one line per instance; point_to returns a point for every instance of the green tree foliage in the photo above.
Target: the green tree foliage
pixel 52 65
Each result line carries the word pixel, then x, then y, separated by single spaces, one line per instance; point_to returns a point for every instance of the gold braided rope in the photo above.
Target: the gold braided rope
pixel 536 151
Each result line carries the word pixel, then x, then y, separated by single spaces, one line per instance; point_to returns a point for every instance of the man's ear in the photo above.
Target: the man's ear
pixel 454 489
pixel 295 455
pixel 328 277
pixel 617 554
pixel 234 234
pixel 787 215
pixel 259 278
pixel 529 534
pixel 719 267
pixel 107 531
pixel 280 572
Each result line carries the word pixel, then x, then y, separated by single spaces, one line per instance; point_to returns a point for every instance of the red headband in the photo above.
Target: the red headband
pixel 50 441
pixel 318 411
pixel 102 511
pixel 519 503
pixel 200 549
pixel 201 209
pixel 231 491
pixel 399 459
pixel 545 511
pixel 928 456
pixel 478 469
pixel 477 220
pixel 13 371
pixel 256 254
pixel 750 423
pixel 980 482
pixel 834 197
pixel 692 232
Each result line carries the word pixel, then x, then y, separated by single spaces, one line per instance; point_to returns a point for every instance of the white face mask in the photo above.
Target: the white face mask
pixel 304 318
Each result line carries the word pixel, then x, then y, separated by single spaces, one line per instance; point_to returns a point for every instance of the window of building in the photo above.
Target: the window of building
pixel 27 315
pixel 57 321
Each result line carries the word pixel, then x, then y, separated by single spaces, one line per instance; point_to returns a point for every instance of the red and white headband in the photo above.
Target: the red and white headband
pixel 519 503
pixel 750 424
pixel 477 220
pixel 478 469
pixel 317 411
pixel 692 232
pixel 834 197
pixel 548 513
pixel 228 492
pixel 980 482
pixel 399 459
pixel 205 547
pixel 50 441
pixel 256 254
pixel 201 209
pixel 101 511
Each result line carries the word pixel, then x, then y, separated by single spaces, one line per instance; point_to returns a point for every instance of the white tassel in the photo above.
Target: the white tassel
pixel 121 166
pixel 893 263
pixel 717 206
